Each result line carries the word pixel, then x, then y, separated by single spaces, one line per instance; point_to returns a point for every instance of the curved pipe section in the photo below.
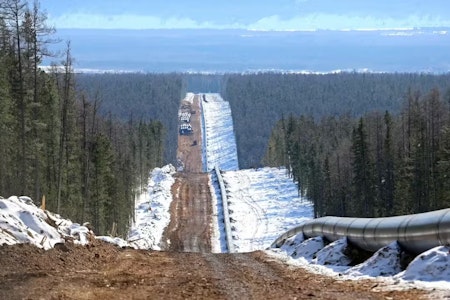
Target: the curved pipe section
pixel 415 233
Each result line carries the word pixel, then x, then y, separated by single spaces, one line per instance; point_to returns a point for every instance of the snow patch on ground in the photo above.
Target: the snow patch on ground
pixel 21 221
pixel 189 98
pixel 432 265
pixel 263 204
pixel 152 213
pixel 429 270
pixel 220 146
pixel 308 249
pixel 333 254
pixel 385 262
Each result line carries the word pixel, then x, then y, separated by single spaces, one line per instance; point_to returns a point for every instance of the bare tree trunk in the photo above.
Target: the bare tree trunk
pixel 64 109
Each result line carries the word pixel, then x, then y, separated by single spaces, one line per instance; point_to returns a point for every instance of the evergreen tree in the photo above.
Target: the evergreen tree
pixel 363 193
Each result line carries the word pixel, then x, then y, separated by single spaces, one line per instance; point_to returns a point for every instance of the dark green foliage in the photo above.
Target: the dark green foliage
pixel 138 97
pixel 372 166
pixel 258 101
pixel 58 142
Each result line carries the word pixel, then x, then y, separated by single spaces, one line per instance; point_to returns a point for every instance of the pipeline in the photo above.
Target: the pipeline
pixel 204 139
pixel 415 233
pixel 226 216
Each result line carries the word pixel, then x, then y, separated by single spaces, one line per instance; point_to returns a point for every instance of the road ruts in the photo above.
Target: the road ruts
pixel 189 228
pixel 107 272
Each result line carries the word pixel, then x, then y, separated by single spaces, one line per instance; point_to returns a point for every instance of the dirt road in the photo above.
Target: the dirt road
pixel 103 271
pixel 189 150
pixel 189 228
pixel 191 208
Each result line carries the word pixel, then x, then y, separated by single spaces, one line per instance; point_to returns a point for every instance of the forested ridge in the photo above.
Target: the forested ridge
pixel 139 97
pixel 56 141
pixel 258 101
pixel 380 164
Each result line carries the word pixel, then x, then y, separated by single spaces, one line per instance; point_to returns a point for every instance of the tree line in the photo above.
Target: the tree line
pixel 55 139
pixel 380 164
pixel 139 96
pixel 260 100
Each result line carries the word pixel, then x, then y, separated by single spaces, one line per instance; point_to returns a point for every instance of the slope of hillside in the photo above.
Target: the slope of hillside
pixel 220 144
pixel 263 204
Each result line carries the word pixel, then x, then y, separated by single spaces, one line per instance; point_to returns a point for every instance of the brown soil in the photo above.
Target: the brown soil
pixel 189 150
pixel 191 209
pixel 103 271
pixel 187 271
pixel 189 228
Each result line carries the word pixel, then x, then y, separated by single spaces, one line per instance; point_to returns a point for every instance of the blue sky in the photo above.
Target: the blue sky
pixel 248 14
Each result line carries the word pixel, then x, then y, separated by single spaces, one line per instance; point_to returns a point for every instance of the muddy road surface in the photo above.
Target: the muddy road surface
pixel 189 229
pixel 104 271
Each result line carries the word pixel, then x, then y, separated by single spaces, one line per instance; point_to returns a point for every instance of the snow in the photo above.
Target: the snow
pixel 21 221
pixel 333 254
pixel 263 204
pixel 436 269
pixel 189 98
pixel 152 213
pixel 429 270
pixel 220 147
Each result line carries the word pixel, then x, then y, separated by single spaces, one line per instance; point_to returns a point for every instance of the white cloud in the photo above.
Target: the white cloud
pixel 274 22
pixel 131 21
pixel 345 22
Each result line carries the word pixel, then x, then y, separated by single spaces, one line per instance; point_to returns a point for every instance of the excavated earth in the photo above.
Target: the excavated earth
pixel 185 270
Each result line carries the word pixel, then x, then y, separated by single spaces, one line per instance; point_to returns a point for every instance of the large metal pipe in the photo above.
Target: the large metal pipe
pixel 226 216
pixel 415 233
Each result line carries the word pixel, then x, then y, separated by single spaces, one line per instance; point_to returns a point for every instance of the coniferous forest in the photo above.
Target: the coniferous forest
pixel 380 164
pixel 258 101
pixel 56 139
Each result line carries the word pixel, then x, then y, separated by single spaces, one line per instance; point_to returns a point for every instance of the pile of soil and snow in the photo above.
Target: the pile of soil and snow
pixel 391 265
pixel 21 221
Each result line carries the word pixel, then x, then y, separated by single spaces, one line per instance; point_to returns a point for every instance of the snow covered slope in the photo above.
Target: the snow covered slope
pixel 263 204
pixel 152 210
pixel 218 134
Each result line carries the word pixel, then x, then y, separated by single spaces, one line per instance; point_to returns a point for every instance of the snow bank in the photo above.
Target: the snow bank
pixel 429 270
pixel 308 248
pixel 263 204
pixel 152 213
pixel 432 265
pixel 23 222
pixel 220 146
pixel 385 262
pixel 333 254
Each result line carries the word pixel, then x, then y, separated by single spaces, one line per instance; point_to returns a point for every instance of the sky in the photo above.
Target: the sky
pixel 282 15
